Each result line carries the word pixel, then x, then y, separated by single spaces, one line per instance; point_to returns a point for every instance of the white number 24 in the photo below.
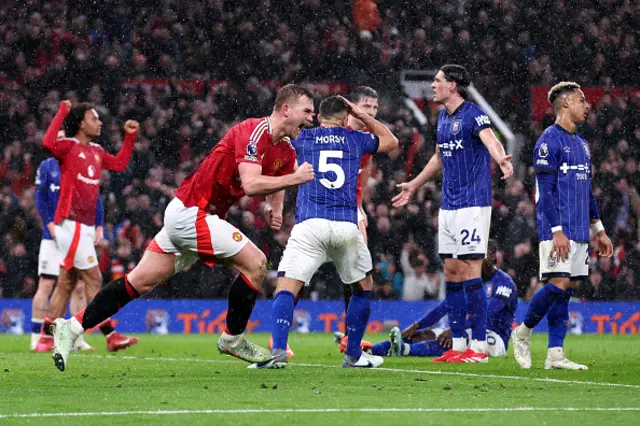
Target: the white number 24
pixel 325 166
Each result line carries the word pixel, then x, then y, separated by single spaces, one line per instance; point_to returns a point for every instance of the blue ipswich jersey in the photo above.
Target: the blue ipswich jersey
pixel 48 191
pixel 501 304
pixel 466 170
pixel 335 154
pixel 567 156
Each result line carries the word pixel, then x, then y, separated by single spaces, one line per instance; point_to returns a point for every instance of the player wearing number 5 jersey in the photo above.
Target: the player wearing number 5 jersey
pixel 566 208
pixel 465 146
pixel 326 225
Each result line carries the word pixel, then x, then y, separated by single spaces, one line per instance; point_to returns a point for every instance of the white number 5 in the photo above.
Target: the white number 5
pixel 331 167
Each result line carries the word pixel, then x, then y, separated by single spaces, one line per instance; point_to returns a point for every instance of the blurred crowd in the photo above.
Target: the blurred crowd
pixel 98 51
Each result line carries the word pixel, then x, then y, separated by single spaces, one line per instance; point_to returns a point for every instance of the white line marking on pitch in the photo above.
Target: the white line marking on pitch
pixel 313 410
pixel 394 370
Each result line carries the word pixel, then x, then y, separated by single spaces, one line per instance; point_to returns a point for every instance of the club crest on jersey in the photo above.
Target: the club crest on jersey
pixel 552 262
pixel 456 126
pixel 97 157
pixel 543 151
pixel 277 164
pixel 586 149
pixel 237 237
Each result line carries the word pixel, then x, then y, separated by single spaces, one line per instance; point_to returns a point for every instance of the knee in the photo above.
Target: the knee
pixel 79 290
pixel 452 273
pixel 257 269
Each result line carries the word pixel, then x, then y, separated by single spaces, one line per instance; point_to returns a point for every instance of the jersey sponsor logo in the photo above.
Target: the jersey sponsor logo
pixel 456 126
pixel 331 139
pixel 543 151
pixel 482 120
pixel 566 148
pixel 564 168
pixel 87 180
pixel 54 188
pixel 277 164
pixel 586 149
pixel 237 237
pixel 91 171
pixel 504 291
pixel 454 144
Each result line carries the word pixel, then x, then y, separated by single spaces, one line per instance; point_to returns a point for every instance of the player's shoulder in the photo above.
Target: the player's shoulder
pixel 255 128
pixel 550 137
pixel 472 108
pixel 502 278
pixel 49 164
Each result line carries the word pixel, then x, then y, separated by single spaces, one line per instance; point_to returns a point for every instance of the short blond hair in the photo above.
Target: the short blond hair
pixel 560 89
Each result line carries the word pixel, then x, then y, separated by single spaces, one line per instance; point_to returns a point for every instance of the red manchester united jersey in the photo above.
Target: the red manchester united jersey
pixel 80 167
pixel 215 184
pixel 361 178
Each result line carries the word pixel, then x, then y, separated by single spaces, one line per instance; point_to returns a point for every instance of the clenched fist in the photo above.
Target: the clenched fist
pixel 131 126
pixel 304 173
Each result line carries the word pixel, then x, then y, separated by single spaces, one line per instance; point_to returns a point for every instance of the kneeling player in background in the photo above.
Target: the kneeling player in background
pixel 420 339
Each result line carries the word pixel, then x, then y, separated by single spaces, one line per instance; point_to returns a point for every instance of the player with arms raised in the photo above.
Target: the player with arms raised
pixel 565 208
pixel 47 190
pixel 465 147
pixel 81 162
pixel 254 158
pixel 326 225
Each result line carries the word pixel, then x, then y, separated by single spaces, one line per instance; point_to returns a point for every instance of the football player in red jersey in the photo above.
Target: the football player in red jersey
pixel 81 162
pixel 254 158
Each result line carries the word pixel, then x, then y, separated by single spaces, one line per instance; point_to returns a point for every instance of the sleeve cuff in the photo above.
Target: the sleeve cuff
pixel 556 228
pixel 597 227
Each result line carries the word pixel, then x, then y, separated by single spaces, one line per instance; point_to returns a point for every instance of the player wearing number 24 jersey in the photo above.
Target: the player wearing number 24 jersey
pixel 326 225
pixel 464 147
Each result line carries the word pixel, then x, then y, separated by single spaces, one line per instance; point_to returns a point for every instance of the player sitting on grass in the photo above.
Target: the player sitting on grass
pixel 420 339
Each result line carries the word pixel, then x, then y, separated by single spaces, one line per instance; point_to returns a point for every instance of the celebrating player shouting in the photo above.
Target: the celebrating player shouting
pixel 465 146
pixel 565 209
pixel 253 158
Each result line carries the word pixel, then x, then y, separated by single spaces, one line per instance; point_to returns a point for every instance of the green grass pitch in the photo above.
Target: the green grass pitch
pixel 181 379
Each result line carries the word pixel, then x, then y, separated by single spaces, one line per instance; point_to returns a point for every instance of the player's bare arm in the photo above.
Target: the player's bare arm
pixel 255 183
pixel 407 189
pixel 273 209
pixel 496 150
pixel 388 142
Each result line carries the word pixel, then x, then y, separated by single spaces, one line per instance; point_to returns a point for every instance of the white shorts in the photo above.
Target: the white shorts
pixel 464 233
pixel 75 243
pixel 495 344
pixel 49 259
pixel 576 267
pixel 191 234
pixel 316 241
